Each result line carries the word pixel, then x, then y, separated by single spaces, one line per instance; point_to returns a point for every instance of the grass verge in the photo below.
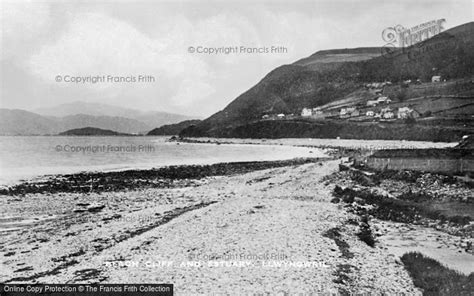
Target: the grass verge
pixel 436 279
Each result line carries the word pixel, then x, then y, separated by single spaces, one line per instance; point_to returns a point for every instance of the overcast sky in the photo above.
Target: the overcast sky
pixel 44 39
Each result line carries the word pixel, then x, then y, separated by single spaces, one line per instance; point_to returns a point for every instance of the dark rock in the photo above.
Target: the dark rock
pixel 95 208
pixel 82 204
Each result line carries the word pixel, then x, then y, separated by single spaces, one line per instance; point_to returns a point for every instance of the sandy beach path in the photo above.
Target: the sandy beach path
pixel 260 232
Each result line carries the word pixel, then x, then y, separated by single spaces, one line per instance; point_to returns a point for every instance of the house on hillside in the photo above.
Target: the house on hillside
pixel 343 112
pixel 372 103
pixel 388 115
pixel 348 112
pixel 280 116
pixel 370 113
pixel 436 79
pixel 384 100
pixel 318 113
pixel 266 116
pixel 355 113
pixel 404 112
pixel 306 112
pixel 407 112
pixel 377 84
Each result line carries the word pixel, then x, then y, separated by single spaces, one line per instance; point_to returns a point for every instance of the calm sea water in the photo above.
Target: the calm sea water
pixel 29 157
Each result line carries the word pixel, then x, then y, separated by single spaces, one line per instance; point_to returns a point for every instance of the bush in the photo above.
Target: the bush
pixel 436 279
pixel 402 95
pixel 427 113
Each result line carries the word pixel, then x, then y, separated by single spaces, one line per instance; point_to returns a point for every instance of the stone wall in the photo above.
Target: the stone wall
pixel 438 165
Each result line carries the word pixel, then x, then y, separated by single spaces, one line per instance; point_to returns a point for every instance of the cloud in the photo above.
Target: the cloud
pixel 45 39
pixel 24 23
pixel 97 44
pixel 192 91
pixel 92 42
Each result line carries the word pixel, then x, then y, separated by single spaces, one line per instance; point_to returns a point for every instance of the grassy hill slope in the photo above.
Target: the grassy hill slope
pixel 330 77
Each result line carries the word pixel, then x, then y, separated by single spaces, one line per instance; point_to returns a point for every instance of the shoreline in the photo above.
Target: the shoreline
pixel 162 155
pixel 253 212
pixel 318 143
pixel 123 219
pixel 331 147
pixel 162 177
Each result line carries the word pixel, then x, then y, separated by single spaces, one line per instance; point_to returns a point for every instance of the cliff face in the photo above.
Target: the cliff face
pixel 331 75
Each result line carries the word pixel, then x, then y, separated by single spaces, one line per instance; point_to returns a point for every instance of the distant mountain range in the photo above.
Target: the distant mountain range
pixel 81 114
pixel 340 75
pixel 150 118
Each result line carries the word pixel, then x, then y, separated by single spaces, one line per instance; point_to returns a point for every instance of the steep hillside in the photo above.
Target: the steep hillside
pixel 325 60
pixel 450 99
pixel 332 75
pixel 284 90
pixel 172 129
pixel 449 54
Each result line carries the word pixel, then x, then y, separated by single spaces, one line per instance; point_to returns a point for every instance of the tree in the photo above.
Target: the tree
pixel 402 95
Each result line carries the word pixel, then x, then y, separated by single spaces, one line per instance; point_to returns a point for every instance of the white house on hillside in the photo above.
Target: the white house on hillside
pixel 436 79
pixel 372 103
pixel 349 112
pixel 407 112
pixel 306 112
pixel 404 112
pixel 387 113
pixel 384 100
